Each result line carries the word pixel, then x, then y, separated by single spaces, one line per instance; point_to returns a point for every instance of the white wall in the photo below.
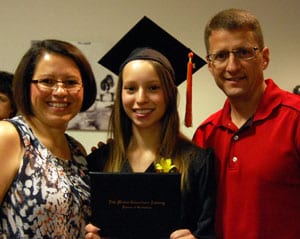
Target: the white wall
pixel 108 20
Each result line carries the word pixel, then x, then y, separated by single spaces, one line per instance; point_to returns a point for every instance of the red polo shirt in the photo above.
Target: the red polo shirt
pixel 258 168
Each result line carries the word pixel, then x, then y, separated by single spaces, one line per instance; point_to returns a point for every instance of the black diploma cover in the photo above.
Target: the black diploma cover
pixel 135 205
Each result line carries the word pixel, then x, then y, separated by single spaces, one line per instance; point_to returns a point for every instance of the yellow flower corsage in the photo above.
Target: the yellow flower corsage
pixel 165 166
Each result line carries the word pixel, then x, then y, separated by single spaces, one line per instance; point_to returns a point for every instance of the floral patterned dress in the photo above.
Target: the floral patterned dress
pixel 49 197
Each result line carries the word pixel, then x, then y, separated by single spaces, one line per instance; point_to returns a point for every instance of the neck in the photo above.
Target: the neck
pixel 145 138
pixel 143 148
pixel 243 108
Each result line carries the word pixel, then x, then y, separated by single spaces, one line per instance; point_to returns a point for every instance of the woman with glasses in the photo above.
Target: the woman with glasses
pixel 44 189
pixel 256 135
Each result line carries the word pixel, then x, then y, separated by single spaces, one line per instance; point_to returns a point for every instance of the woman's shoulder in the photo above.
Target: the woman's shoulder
pixel 18 125
pixel 10 156
pixel 76 146
pixel 8 133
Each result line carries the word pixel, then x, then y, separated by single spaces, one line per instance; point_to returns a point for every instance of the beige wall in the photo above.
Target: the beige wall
pixel 108 20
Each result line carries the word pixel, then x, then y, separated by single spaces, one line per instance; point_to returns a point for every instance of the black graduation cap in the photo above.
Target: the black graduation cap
pixel 146 33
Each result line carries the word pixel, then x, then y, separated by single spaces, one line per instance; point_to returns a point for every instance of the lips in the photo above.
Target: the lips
pixel 141 113
pixel 235 78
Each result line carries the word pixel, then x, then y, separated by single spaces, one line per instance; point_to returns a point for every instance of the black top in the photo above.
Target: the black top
pixel 198 196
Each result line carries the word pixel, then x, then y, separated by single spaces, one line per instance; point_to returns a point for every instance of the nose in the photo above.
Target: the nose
pixel 59 87
pixel 233 63
pixel 141 96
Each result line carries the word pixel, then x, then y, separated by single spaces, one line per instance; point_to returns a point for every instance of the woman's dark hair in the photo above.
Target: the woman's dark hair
pixel 25 70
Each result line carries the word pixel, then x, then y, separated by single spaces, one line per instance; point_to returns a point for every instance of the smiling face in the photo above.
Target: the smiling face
pixel 55 107
pixel 142 94
pixel 239 79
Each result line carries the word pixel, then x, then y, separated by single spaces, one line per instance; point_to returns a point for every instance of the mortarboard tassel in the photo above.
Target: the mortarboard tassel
pixel 188 109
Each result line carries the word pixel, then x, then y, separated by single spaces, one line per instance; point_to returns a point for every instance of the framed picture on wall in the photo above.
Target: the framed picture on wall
pixel 97 116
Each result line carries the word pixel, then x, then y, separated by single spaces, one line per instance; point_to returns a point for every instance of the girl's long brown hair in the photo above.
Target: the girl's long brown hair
pixel 171 140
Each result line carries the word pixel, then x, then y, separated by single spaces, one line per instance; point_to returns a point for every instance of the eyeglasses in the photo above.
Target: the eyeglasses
pixel 242 53
pixel 72 86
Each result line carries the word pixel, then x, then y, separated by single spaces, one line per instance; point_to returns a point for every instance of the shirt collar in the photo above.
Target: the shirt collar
pixel 270 100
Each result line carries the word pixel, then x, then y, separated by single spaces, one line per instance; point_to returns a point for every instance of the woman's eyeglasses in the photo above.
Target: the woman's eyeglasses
pixel 72 86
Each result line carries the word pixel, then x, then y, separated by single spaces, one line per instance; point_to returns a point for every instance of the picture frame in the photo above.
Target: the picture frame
pixel 97 116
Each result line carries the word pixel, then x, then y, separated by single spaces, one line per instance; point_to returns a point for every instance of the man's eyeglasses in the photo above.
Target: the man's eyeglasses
pixel 243 53
pixel 72 86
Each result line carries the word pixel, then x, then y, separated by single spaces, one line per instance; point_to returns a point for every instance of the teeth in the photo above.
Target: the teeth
pixel 143 111
pixel 58 105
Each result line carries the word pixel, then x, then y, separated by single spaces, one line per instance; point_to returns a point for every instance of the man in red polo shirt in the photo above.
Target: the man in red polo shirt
pixel 256 135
